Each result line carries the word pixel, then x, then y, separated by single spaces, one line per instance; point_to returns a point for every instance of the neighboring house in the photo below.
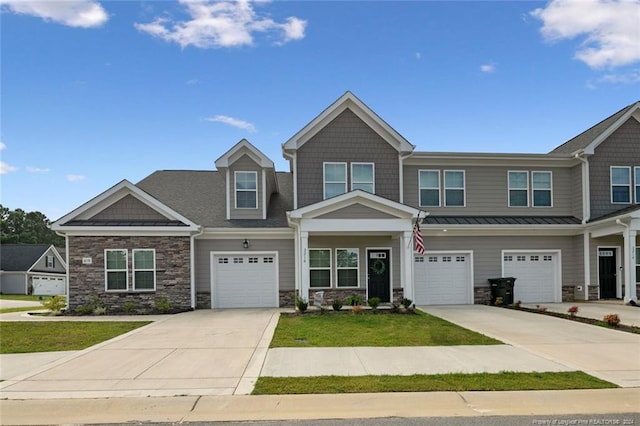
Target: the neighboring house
pixel 341 220
pixel 37 269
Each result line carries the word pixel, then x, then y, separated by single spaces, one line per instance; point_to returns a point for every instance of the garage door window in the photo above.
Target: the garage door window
pixel 144 270
pixel 115 262
pixel 320 268
pixel 347 266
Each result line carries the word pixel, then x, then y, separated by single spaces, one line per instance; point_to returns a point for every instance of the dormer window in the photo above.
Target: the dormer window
pixel 246 190
pixel 50 262
pixel 362 177
pixel 335 179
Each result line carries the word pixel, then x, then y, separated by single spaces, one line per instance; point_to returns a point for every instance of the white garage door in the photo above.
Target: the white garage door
pixel 48 286
pixel 442 279
pixel 537 275
pixel 245 280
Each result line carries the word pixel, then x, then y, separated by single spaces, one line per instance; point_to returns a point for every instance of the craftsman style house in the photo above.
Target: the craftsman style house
pixel 341 221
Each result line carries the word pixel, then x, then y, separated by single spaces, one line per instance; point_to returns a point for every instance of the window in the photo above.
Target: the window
pixel 144 269
pixel 534 258
pixel 541 185
pixel 636 172
pixel 267 260
pixel 429 187
pixel 50 261
pixel 253 260
pixel 419 259
pixel 335 179
pixel 433 259
pixel 521 258
pixel 454 188
pixel 246 190
pixel 620 185
pixel 362 177
pixel 223 260
pixel 238 260
pixel 115 264
pixel 518 189
pixel 347 267
pixel 508 258
pixel 319 268
pixel 446 258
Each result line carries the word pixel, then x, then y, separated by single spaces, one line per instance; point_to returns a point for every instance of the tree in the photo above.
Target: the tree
pixel 19 227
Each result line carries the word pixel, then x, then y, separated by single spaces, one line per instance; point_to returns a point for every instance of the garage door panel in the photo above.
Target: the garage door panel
pixel 536 275
pixel 442 279
pixel 245 281
pixel 48 286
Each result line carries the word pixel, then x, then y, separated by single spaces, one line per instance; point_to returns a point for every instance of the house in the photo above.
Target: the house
pixel 341 221
pixel 37 269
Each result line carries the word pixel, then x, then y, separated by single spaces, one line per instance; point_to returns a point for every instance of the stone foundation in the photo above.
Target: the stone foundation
pixel 87 281
pixel 482 295
pixel 594 292
pixel 569 293
pixel 203 300
pixel 287 298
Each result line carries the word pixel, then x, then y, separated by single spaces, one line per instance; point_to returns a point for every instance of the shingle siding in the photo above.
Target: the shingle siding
pixel 128 208
pixel 346 139
pixel 356 211
pixel 622 148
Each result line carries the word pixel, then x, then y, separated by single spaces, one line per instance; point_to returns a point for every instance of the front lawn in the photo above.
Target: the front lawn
pixel 24 337
pixel 455 382
pixel 343 329
pixel 22 309
pixel 23 297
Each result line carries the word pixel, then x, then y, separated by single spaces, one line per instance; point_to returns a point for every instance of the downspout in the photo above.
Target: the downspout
pixel 627 264
pixel 66 255
pixel 586 215
pixel 192 265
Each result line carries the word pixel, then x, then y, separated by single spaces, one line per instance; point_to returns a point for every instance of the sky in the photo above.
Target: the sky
pixel 93 92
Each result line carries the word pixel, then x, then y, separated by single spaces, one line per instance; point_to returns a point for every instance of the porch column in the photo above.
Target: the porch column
pixel 304 266
pixel 586 248
pixel 630 265
pixel 406 262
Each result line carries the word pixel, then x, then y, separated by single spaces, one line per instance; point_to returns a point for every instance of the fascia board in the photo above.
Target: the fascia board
pixel 44 253
pixel 229 157
pixel 350 198
pixel 490 160
pixel 97 200
pixel 72 231
pixel 356 225
pixel 590 149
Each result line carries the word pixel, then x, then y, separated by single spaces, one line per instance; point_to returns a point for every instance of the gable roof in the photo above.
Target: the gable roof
pixel 366 114
pixel 238 150
pixel 588 140
pixel 22 257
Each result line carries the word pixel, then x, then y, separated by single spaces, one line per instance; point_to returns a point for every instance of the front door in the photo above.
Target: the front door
pixel 607 273
pixel 379 277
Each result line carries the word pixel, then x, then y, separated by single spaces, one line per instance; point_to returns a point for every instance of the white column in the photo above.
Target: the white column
pixel 629 265
pixel 406 269
pixel 304 266
pixel 586 242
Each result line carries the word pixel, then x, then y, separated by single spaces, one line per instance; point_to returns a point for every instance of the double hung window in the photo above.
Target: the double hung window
pixel 246 190
pixel 518 189
pixel 620 184
pixel 144 269
pixel 319 268
pixel 541 186
pixel 50 261
pixel 362 177
pixel 429 188
pixel 115 263
pixel 347 267
pixel 454 188
pixel 335 179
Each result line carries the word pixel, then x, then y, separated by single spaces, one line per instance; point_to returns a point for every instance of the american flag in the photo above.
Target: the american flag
pixel 417 236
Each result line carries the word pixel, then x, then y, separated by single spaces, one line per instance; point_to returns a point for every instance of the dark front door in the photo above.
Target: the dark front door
pixel 607 273
pixel 379 282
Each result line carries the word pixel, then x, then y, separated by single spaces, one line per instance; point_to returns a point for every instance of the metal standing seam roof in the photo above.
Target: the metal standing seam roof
pixel 501 220
pixel 20 257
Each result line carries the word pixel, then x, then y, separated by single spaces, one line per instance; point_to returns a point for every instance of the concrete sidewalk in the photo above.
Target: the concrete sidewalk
pixel 300 407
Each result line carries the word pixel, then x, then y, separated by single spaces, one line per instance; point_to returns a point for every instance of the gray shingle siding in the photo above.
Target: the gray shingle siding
pixel 128 208
pixel 622 148
pixel 356 211
pixel 346 139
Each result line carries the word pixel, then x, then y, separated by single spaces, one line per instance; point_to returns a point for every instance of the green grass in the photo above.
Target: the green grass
pixel 348 329
pixel 23 309
pixel 24 297
pixel 23 337
pixel 457 382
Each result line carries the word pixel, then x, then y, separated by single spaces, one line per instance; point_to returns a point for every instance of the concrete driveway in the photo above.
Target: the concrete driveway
pixel 608 354
pixel 196 353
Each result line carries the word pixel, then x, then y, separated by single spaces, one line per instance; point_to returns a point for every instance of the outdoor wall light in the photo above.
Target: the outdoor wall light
pixel 245 243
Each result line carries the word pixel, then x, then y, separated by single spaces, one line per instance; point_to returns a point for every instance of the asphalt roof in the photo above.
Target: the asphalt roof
pixel 200 197
pixel 501 220
pixel 20 257
pixel 620 212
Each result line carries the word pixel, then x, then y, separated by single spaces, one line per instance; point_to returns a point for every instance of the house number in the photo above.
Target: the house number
pixel 87 261
pixel 605 253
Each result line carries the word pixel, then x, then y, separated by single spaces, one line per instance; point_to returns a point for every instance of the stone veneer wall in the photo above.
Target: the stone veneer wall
pixel 86 282
pixel 482 295
pixel 569 293
pixel 594 292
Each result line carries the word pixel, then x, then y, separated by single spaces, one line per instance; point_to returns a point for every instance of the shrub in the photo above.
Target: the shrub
pixel 353 300
pixel 129 307
pixel 498 301
pixel 301 304
pixel 84 310
pixel 573 310
pixel 336 304
pixel 162 304
pixel 407 303
pixel 518 304
pixel 101 310
pixel 55 304
pixel 395 308
pixel 374 302
pixel 612 319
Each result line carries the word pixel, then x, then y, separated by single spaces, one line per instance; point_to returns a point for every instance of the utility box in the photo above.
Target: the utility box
pixel 503 288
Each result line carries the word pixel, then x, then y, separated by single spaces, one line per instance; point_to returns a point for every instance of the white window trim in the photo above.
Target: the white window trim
pixel 134 270
pixel 51 264
pixel 315 268
pixel 636 183
pixel 509 189
pixel 235 184
pixel 357 267
pixel 463 188
pixel 628 186
pixel 373 175
pixel 125 270
pixel 324 177
pixel 533 199
pixel 420 188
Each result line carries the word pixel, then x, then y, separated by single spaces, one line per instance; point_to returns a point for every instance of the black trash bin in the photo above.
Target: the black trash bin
pixel 503 288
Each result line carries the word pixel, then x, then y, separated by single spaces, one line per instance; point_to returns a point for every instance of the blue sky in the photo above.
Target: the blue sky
pixel 94 92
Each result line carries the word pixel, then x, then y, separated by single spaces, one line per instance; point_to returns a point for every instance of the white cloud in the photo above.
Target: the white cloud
pixel 192 82
pixel 631 77
pixel 2 146
pixel 37 170
pixel 73 13
pixel 75 178
pixel 418 55
pixel 488 68
pixel 609 28
pixel 225 119
pixel 6 169
pixel 221 24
